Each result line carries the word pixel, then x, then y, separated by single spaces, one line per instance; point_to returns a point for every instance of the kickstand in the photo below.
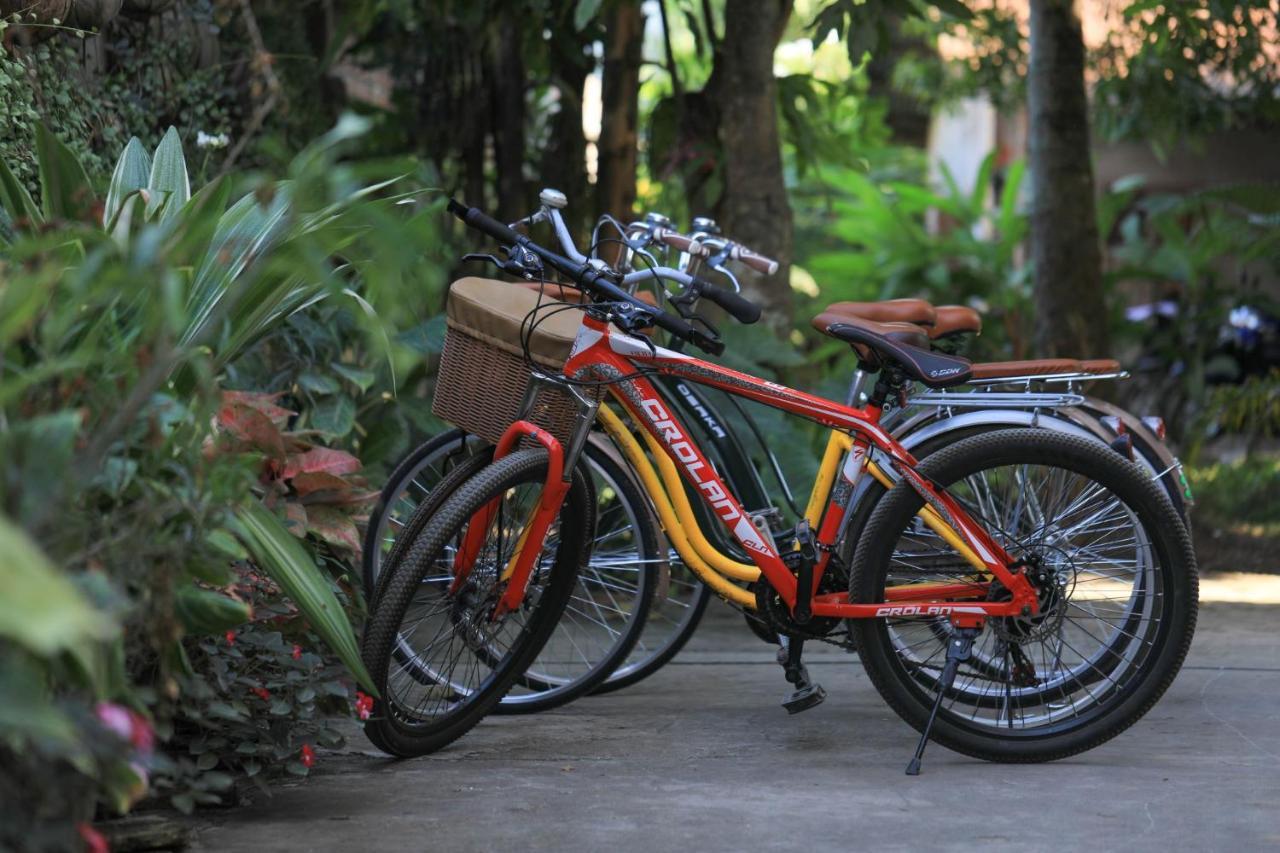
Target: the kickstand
pixel 958 649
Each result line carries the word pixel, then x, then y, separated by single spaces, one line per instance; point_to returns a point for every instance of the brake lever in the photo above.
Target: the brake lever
pixel 706 343
pixel 712 331
pixel 484 258
pixel 510 266
pixel 686 302
pixel 733 279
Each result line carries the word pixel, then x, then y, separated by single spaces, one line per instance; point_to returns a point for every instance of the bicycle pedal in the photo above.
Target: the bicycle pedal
pixel 805 698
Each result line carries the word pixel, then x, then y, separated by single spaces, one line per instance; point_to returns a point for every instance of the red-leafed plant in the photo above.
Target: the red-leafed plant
pixel 317 489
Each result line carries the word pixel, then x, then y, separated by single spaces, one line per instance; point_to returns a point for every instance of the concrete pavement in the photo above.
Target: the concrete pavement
pixel 701 757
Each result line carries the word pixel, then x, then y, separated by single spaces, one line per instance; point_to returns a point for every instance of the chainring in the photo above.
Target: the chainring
pixel 769 605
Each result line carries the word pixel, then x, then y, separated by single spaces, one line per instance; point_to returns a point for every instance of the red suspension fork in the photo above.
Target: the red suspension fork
pixel 555 487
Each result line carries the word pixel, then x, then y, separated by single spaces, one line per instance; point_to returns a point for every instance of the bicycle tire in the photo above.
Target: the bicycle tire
pixel 402 731
pixel 670 622
pixel 1145 500
pixel 549 693
pixel 438 455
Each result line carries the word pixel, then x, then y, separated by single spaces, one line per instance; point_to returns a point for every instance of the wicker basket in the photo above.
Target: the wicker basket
pixel 483 376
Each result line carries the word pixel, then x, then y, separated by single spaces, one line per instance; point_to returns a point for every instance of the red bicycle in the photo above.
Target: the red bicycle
pixel 1018 596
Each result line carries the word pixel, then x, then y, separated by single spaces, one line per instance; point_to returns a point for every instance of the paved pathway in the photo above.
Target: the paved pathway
pixel 701 757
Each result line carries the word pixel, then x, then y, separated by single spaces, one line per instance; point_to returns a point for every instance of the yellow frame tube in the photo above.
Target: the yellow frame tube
pixel 713 556
pixel 935 522
pixel 674 529
pixel 838 445
pixel 681 524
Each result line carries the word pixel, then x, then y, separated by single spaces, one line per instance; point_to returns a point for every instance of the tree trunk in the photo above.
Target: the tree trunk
pixel 1071 310
pixel 753 208
pixel 907 117
pixel 617 152
pixel 507 98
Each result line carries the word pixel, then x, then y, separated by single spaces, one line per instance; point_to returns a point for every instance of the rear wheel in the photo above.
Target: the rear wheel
pixel 438 656
pixel 1116 574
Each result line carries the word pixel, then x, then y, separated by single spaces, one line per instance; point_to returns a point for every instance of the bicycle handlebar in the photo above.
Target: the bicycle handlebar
pixel 476 218
pixel 590 279
pixel 678 241
pixel 757 262
pixel 741 309
pixel 738 252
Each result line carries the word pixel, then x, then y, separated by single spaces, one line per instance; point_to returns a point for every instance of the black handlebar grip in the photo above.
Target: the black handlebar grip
pixel 743 310
pixel 481 221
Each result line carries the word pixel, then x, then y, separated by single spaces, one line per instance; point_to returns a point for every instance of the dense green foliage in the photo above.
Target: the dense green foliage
pixel 146 510
pixel 1166 72
pixel 203 377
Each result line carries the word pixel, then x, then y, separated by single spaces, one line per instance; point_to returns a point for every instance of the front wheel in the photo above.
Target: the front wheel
pixel 1117 578
pixel 439 657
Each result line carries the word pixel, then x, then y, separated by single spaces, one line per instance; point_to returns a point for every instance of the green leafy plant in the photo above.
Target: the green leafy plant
pixel 1239 493
pixel 316 488
pixel 115 331
pixel 226 300
pixel 41 85
pixel 1173 70
pixel 257 702
pixel 1204 253
pixel 880 239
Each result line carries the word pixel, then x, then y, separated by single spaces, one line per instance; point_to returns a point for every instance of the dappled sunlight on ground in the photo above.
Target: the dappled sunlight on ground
pixel 1240 588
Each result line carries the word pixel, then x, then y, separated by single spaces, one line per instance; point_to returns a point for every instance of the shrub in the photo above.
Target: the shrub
pixel 140 508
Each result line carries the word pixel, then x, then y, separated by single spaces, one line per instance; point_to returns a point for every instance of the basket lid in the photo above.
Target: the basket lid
pixel 494 312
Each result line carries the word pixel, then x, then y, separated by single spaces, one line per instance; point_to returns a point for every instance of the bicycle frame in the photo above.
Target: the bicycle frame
pixel 603 353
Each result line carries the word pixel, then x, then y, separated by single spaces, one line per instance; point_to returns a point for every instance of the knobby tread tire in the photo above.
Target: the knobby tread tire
pixel 629 494
pixel 1127 481
pixel 422 514
pixel 401 580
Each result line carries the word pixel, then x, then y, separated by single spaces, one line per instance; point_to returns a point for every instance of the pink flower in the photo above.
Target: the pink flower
pixel 308 756
pixel 364 705
pixel 297 652
pixel 127 725
pixel 93 840
pixel 115 719
pixel 262 693
pixel 231 638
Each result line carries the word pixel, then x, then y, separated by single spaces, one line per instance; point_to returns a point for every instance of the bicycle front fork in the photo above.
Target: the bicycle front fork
pixel 519 567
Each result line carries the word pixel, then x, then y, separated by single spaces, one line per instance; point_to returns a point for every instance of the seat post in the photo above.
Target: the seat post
pixel 888 382
pixel 857 387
